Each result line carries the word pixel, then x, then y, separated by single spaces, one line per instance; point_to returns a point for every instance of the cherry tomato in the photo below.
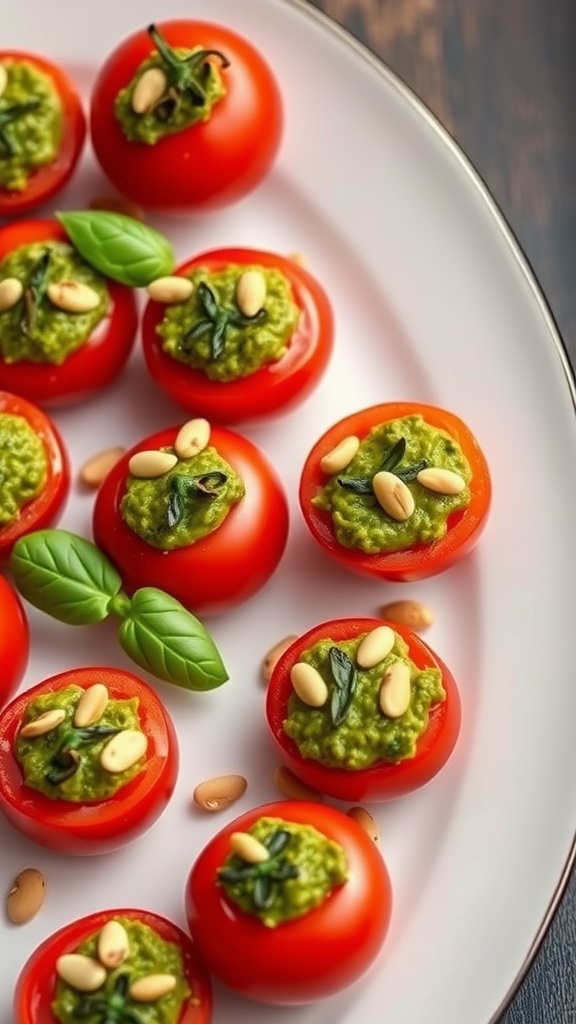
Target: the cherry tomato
pixel 420 561
pixel 45 509
pixel 14 641
pixel 274 388
pixel 36 985
pixel 383 780
pixel 92 827
pixel 311 956
pixel 97 362
pixel 46 181
pixel 229 564
pixel 211 163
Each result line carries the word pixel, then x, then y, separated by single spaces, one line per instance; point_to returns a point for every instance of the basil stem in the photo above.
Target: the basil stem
pixel 217 321
pixel 120 247
pixel 344 677
pixel 185 74
pixel 10 114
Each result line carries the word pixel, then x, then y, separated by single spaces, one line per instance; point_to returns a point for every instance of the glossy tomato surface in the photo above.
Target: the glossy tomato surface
pixel 384 780
pixel 91 828
pixel 36 985
pixel 309 957
pixel 46 181
pixel 45 509
pixel 276 387
pixel 97 362
pixel 420 561
pixel 211 163
pixel 225 567
pixel 14 641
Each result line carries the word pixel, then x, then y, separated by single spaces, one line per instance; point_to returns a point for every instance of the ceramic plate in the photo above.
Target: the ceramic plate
pixel 434 302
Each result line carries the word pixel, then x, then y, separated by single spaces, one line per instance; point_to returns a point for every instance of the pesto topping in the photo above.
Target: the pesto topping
pixel 185 504
pixel 23 466
pixel 34 329
pixel 64 763
pixel 31 123
pixel 402 447
pixel 349 730
pixel 302 869
pixel 210 333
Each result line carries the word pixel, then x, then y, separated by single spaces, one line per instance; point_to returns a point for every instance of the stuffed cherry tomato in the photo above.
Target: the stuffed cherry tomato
pixel 42 130
pixel 198 512
pixel 143 968
pixel 14 641
pixel 187 115
pixel 88 760
pixel 34 471
pixel 240 334
pixel 361 709
pixel 289 903
pixel 66 331
pixel 398 491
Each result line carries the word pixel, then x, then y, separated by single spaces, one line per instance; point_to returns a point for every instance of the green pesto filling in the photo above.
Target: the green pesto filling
pixel 31 123
pixel 366 735
pixel 23 466
pixel 34 329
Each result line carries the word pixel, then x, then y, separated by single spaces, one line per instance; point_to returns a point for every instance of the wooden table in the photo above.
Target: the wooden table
pixel 501 77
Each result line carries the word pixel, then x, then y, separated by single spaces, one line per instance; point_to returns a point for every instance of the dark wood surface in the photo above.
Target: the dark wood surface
pixel 501 77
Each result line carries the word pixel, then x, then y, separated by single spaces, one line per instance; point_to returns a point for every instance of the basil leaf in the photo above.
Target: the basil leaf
pixel 345 677
pixel 394 456
pixel 161 636
pixel 358 484
pixel 277 841
pixel 119 246
pixel 64 575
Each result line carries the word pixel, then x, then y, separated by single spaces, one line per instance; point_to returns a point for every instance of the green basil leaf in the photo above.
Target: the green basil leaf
pixel 161 636
pixel 64 575
pixel 344 677
pixel 394 455
pixel 119 246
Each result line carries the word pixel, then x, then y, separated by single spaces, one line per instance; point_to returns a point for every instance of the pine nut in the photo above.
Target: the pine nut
pixel 83 973
pixel 375 646
pixel 273 656
pixel 73 296
pixel 394 694
pixel 291 786
pixel 44 723
pixel 148 465
pixel 366 821
pixel 308 684
pixel 299 258
pixel 251 292
pixel 26 896
pixel 123 751
pixel 248 848
pixel 149 88
pixel 441 481
pixel 171 289
pixel 340 456
pixel 413 614
pixel 118 204
pixel 113 945
pixel 393 495
pixel 96 469
pixel 219 792
pixel 11 291
pixel 192 438
pixel 91 706
pixel 152 987
pixel 3 78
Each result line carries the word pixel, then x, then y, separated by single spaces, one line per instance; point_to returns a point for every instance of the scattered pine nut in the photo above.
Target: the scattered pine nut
pixel 11 291
pixel 152 987
pixel 149 88
pixel 218 793
pixel 26 896
pixel 73 296
pixel 251 292
pixel 308 684
pixel 441 481
pixel 375 646
pixel 97 467
pixel 273 656
pixel 118 204
pixel 147 465
pixel 366 821
pixel 340 456
pixel 46 722
pixel 393 495
pixel 192 438
pixel 171 289
pixel 290 786
pixel 413 614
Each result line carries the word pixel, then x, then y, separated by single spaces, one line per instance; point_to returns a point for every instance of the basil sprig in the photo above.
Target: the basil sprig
pixel 344 677
pixel 67 577
pixel 390 464
pixel 265 875
pixel 118 246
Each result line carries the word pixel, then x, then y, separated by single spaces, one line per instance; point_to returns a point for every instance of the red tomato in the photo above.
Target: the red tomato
pixel 277 387
pixel 97 362
pixel 227 566
pixel 36 985
pixel 88 828
pixel 14 641
pixel 45 509
pixel 309 957
pixel 422 560
pixel 384 780
pixel 211 163
pixel 46 181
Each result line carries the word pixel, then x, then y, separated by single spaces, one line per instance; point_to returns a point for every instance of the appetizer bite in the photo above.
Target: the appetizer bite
pixel 399 491
pixel 362 709
pixel 289 903
pixel 34 471
pixel 186 115
pixel 237 334
pixel 121 965
pixel 197 511
pixel 88 760
pixel 42 130
pixel 14 641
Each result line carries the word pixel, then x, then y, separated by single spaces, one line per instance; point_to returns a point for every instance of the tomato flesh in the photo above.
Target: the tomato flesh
pixel 14 641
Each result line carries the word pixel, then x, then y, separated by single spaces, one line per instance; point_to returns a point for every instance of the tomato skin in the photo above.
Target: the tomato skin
pixel 307 958
pixel 421 561
pixel 383 781
pixel 44 510
pixel 97 362
pixel 46 181
pixel 14 641
pixel 227 566
pixel 36 984
pixel 274 389
pixel 91 828
pixel 210 164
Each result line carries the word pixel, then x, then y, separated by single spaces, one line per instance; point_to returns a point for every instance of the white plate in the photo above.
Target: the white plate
pixel 433 302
